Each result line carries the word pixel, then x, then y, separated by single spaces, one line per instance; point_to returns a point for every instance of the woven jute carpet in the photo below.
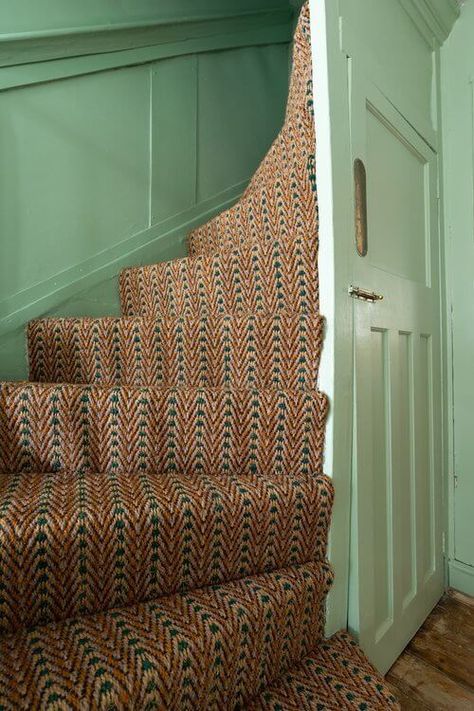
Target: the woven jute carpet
pixel 163 512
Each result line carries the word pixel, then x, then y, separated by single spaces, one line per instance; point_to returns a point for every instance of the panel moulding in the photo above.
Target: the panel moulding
pixel 160 241
pixel 434 19
pixel 31 47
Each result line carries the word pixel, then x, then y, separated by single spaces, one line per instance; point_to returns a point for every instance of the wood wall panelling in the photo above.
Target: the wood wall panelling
pixel 101 169
pixel 56 15
pixel 174 136
pixel 236 108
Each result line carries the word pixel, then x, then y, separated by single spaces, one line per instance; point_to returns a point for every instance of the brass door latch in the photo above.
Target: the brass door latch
pixel 357 293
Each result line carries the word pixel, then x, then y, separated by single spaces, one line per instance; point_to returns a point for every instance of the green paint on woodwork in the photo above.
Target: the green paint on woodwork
pixel 28 16
pixel 111 168
pixel 224 113
pixel 458 129
pixel 74 172
pixel 176 112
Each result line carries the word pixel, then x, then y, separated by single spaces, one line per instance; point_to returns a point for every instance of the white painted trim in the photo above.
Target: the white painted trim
pixel 326 207
pixel 334 180
pixel 335 616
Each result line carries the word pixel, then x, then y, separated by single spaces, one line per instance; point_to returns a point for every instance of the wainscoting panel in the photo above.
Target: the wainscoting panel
pixel 103 167
pixel 173 144
pixel 74 172
pixel 236 104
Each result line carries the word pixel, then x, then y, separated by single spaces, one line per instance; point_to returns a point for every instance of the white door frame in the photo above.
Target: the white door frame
pixel 334 183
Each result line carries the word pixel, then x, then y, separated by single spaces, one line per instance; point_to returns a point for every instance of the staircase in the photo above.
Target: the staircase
pixel 163 512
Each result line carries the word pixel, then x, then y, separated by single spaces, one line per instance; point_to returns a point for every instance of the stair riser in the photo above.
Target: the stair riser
pixel 258 278
pixel 204 651
pixel 73 544
pixel 256 352
pixel 85 428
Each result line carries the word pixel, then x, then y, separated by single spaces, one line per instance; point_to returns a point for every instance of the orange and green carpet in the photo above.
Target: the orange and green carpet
pixel 164 515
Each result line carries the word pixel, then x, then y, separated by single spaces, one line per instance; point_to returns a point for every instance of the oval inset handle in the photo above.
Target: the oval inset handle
pixel 360 204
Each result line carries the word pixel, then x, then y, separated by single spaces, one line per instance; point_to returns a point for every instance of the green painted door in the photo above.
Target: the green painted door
pixel 397 561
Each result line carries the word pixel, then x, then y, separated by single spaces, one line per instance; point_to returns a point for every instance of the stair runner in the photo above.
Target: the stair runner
pixel 163 512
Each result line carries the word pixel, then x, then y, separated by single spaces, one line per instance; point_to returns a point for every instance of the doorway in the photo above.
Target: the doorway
pixel 397 566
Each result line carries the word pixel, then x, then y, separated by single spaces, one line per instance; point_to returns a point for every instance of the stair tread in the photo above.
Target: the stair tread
pixel 101 428
pixel 74 543
pixel 257 277
pixel 211 649
pixel 336 676
pixel 217 351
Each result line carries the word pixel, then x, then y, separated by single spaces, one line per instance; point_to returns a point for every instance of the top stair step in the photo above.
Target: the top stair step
pixel 280 198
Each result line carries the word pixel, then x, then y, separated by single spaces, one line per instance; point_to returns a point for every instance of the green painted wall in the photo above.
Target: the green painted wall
pixel 123 141
pixel 458 149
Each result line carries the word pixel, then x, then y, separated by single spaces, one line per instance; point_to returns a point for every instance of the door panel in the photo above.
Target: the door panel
pixel 382 489
pixel 397 571
pixel 396 190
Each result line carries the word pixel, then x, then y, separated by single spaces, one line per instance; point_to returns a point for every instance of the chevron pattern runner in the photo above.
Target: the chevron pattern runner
pixel 267 351
pixel 164 515
pixel 257 277
pixel 209 649
pixel 94 428
pixel 170 533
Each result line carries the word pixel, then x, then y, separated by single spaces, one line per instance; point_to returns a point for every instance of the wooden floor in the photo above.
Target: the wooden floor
pixel 436 670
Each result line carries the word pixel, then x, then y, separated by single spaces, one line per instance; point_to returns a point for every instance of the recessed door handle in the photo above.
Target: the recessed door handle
pixel 357 293
pixel 360 204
